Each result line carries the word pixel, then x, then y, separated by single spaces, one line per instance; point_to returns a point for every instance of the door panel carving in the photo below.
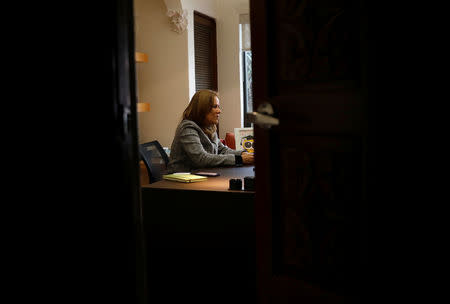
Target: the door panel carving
pixel 319 209
pixel 317 44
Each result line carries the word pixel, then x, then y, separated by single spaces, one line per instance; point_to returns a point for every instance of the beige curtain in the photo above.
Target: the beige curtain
pixel 244 20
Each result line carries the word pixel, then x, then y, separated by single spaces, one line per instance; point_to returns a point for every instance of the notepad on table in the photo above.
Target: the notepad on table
pixel 184 177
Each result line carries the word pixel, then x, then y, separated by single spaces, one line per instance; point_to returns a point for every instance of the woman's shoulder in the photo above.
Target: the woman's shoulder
pixel 187 123
pixel 188 126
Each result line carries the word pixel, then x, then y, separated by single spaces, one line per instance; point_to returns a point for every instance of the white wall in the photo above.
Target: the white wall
pixel 163 80
pixel 167 81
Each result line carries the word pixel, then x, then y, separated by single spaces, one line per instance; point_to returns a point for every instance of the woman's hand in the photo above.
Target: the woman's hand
pixel 247 158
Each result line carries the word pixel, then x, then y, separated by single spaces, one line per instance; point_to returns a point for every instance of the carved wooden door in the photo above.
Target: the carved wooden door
pixel 311 62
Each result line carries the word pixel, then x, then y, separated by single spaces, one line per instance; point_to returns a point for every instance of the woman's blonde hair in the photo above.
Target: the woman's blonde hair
pixel 199 106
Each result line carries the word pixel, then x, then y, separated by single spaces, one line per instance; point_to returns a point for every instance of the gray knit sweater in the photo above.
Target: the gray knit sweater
pixel 192 149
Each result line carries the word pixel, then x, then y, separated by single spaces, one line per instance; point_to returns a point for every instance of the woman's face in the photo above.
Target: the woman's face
pixel 213 116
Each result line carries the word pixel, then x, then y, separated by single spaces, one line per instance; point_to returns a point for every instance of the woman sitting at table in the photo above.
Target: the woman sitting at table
pixel 196 144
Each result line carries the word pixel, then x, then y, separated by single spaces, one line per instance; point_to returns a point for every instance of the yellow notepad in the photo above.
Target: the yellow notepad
pixel 185 178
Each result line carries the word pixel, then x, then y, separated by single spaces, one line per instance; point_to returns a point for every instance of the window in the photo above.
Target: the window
pixel 247 96
pixel 247 84
pixel 205 46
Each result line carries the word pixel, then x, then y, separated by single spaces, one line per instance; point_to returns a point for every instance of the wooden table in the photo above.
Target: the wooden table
pixel 200 239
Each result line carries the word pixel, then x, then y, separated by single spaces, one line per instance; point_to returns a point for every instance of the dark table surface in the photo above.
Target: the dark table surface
pixel 217 183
